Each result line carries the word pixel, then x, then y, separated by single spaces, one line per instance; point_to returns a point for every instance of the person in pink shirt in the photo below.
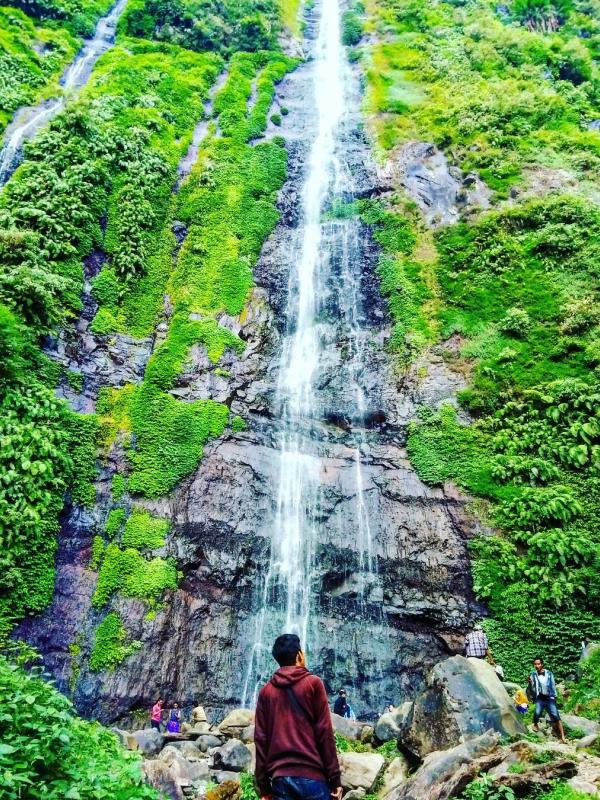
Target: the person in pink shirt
pixel 156 715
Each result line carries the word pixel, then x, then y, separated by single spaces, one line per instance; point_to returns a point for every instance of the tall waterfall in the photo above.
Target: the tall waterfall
pixel 29 120
pixel 324 262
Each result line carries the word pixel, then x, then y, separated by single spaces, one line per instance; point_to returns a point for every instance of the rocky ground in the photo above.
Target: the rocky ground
pixel 461 726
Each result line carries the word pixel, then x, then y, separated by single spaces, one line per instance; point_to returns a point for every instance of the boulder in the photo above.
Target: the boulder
pixel 395 775
pixel 188 750
pixel 348 728
pixel 390 725
pixel 233 756
pixel 208 741
pixel 366 734
pixel 222 776
pixel 159 776
pixel 462 700
pixel 235 722
pixel 169 755
pixel 354 794
pixel 586 741
pixel 127 738
pixel 442 772
pixel 247 735
pixel 202 727
pixel 589 726
pixel 149 741
pixel 361 770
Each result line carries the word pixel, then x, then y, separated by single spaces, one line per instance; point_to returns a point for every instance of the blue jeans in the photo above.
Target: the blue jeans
pixel 545 704
pixel 300 789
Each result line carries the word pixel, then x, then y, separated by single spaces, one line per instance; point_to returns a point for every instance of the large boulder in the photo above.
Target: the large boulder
pixel 361 770
pixel 348 728
pixel 589 726
pixel 149 741
pixel 391 724
pixel 395 775
pixel 442 772
pixel 234 756
pixel 127 738
pixel 188 750
pixel 208 741
pixel 462 700
pixel 235 722
pixel 159 776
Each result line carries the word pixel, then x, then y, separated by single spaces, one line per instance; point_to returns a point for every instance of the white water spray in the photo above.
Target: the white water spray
pixel 289 593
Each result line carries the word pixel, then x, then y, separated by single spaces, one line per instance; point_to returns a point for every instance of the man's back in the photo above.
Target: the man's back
pixel 293 730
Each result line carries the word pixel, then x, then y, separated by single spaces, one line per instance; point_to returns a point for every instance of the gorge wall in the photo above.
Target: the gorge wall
pixel 374 628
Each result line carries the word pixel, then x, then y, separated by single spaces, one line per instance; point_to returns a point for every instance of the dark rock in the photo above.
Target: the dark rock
pixel 463 699
pixel 445 773
pixel 233 756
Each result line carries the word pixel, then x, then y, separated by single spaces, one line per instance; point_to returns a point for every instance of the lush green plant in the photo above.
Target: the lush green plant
pixel 48 753
pixel 484 789
pixel 109 648
pixel 224 26
pixel 584 694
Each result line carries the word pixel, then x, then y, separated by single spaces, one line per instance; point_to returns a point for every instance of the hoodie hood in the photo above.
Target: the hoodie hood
pixel 288 676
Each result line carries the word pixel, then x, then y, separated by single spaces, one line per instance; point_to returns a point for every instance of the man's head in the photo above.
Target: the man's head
pixel 287 651
pixel 342 693
pixel 478 627
pixel 538 664
pixel 160 701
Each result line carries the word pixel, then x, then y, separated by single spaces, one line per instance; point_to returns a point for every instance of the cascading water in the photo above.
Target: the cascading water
pixel 325 271
pixel 29 120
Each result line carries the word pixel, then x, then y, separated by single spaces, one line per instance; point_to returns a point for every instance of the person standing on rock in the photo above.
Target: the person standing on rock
pixel 296 757
pixel 156 714
pixel 543 689
pixel 476 643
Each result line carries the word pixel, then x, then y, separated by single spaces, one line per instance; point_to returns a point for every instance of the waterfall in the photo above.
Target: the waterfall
pixel 29 120
pixel 325 269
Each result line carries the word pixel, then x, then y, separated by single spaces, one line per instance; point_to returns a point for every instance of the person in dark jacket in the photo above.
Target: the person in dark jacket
pixel 296 758
pixel 341 707
pixel 543 689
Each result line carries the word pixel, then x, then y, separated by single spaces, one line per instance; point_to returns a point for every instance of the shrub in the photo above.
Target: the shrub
pixel 48 753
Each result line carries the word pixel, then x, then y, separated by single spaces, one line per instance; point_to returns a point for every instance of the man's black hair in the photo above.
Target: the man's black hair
pixel 537 658
pixel 342 691
pixel 286 648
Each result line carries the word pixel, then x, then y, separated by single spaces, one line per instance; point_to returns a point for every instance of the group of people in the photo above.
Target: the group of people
pixel 173 716
pixel 541 685
pixel 296 756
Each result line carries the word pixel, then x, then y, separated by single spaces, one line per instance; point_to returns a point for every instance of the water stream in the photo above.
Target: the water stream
pixel 30 119
pixel 325 274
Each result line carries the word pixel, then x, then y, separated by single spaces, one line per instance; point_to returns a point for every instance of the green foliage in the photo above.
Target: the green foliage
pixel 118 487
pixel 98 547
pixel 584 694
pixel 145 532
pixel 225 26
pixel 127 571
pixel 35 470
pixel 80 16
pixel 170 437
pixel 114 522
pixel 109 648
pixel 484 789
pixel 351 28
pixel 344 745
pixel 28 71
pixel 48 753
pixel 238 424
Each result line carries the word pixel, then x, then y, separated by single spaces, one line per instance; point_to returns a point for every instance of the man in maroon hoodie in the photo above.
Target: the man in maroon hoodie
pixel 296 757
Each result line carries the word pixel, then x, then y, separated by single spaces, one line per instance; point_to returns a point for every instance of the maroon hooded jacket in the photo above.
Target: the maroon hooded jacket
pixel 294 734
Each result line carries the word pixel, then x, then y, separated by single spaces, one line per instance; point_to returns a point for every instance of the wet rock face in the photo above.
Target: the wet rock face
pixel 376 630
pixel 442 192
